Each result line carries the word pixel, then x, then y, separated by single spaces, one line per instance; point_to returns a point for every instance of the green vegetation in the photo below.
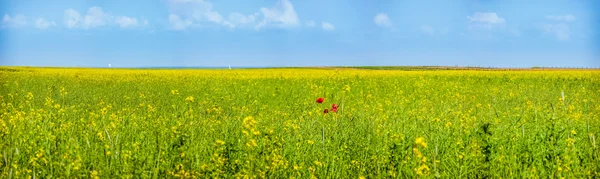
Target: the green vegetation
pixel 265 123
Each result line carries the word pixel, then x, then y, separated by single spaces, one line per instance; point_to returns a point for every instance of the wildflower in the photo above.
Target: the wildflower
pixel 326 111
pixel 420 141
pixel 570 141
pixel 30 96
pixel 189 99
pixel 423 170
pixel 320 100
pixel 417 152
pixel 251 143
pixel 296 167
pixel 249 122
pixel 334 107
pixel 448 124
pixel 94 174
pixel 310 142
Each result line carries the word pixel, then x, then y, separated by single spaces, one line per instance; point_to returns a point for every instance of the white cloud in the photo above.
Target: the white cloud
pixel 239 19
pixel 177 23
pixel 193 8
pixel 482 17
pixel 16 21
pixel 560 31
pixel 96 17
pixel 327 26
pixel 193 13
pixel 42 23
pixel 310 23
pixel 282 15
pixel 214 17
pixel 485 19
pixel 72 18
pixel 427 29
pixel 382 19
pixel 567 18
pixel 127 22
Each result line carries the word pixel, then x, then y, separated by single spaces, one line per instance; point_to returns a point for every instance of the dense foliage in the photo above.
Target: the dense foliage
pixel 124 123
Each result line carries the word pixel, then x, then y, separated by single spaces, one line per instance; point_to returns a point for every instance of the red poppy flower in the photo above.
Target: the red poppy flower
pixel 334 110
pixel 320 100
pixel 334 106
pixel 326 111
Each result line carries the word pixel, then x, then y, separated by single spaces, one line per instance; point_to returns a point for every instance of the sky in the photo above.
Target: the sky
pixel 281 33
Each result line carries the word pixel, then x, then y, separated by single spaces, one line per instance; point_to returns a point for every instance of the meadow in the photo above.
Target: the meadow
pixel 267 123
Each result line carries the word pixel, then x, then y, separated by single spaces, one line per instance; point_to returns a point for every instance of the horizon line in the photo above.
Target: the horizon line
pixel 309 66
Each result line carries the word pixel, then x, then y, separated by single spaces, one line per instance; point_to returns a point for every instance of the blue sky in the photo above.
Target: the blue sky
pixel 144 33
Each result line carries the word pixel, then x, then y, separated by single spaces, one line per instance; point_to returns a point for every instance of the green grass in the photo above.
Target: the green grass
pixel 108 123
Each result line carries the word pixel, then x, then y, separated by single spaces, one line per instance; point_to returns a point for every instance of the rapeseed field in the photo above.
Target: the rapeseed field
pixel 298 123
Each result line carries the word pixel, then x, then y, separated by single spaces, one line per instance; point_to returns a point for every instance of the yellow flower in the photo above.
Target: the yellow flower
pixel 573 132
pixel 347 88
pixel 570 141
pixel 94 174
pixel 220 142
pixel 423 170
pixel 251 143
pixel 448 124
pixel 417 152
pixel 248 122
pixel 256 132
pixel 420 141
pixel 189 99
pixel 30 96
pixel 310 142
pixel 318 163
pixel 296 167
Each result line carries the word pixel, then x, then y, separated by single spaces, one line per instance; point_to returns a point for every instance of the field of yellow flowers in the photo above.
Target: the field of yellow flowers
pixel 267 123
